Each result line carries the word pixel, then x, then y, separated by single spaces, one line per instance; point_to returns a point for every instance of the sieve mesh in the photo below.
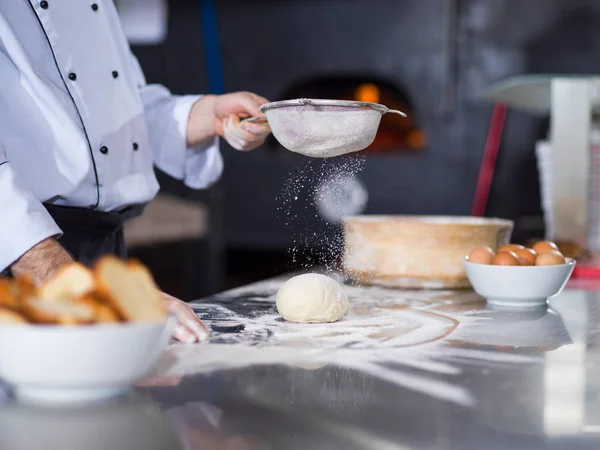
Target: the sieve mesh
pixel 324 128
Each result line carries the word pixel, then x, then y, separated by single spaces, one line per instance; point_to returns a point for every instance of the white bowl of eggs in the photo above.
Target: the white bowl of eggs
pixel 517 276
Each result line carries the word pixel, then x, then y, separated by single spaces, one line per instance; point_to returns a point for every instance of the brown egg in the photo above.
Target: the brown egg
pixel 506 259
pixel 510 248
pixel 481 255
pixel 545 246
pixel 549 258
pixel 526 256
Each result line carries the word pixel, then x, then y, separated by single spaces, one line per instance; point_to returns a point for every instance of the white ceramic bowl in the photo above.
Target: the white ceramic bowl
pixel 132 422
pixel 79 364
pixel 518 286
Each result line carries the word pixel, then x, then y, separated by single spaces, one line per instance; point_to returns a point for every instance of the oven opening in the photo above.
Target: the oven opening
pixel 396 134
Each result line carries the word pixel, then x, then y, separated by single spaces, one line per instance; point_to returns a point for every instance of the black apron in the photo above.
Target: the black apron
pixel 89 234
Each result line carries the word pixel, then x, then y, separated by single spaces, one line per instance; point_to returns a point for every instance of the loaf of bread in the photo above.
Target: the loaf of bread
pixel 130 289
pixel 8 294
pixel 102 311
pixel 113 291
pixel 70 282
pixel 11 317
pixel 60 313
pixel 24 287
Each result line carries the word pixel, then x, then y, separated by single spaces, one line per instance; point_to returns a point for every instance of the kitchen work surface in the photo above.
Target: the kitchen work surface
pixel 402 370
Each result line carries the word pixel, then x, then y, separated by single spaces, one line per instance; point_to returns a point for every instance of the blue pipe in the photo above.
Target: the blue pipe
pixel 212 51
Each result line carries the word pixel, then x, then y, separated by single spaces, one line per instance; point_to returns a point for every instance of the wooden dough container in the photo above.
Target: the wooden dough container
pixel 417 251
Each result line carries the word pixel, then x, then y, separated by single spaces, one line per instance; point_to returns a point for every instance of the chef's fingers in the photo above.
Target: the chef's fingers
pixel 236 128
pixel 182 334
pixel 189 331
pixel 239 138
pixel 230 127
pixel 231 136
pixel 189 328
pixel 253 134
pixel 254 144
pixel 249 104
pixel 261 129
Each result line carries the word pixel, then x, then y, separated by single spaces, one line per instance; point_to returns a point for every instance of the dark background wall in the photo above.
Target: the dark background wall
pixel 267 45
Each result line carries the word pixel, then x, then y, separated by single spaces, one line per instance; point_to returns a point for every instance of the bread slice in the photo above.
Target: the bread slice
pixel 71 282
pixel 24 287
pixel 8 295
pixel 59 313
pixel 103 312
pixel 10 317
pixel 106 314
pixel 130 289
pixel 148 289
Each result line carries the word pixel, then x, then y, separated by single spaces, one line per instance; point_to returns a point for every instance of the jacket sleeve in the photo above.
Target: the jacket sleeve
pixel 25 222
pixel 167 118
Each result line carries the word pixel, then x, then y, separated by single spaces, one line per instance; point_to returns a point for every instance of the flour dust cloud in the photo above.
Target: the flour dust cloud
pixel 313 200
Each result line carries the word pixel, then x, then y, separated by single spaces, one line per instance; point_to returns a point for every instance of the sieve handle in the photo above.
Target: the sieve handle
pixel 255 119
pixel 395 111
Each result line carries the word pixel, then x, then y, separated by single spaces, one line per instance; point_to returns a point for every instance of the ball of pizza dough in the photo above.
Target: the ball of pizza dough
pixel 312 298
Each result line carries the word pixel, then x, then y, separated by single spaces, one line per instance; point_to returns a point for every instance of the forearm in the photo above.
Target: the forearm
pixel 201 122
pixel 42 261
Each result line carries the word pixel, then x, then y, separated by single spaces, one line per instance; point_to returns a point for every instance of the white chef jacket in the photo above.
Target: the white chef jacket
pixel 79 126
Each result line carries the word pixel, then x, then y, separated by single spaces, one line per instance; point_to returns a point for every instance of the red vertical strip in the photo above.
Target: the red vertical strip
pixel 488 162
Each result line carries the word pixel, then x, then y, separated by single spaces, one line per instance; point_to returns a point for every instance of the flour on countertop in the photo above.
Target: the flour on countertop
pixel 387 333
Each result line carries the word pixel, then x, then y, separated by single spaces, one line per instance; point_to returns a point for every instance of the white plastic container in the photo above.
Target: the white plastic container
pixel 543 153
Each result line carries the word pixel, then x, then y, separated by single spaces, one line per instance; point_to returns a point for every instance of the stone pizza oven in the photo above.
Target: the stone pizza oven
pixel 432 58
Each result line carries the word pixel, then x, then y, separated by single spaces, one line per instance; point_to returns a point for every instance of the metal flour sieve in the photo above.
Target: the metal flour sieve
pixel 324 128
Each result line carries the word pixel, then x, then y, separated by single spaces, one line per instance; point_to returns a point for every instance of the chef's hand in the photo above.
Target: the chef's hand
pixel 230 109
pixel 189 328
pixel 222 115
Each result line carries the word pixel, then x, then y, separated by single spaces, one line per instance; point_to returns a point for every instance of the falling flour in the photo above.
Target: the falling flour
pixel 311 197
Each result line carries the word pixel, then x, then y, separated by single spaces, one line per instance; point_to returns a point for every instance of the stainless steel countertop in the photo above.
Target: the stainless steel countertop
pixel 404 370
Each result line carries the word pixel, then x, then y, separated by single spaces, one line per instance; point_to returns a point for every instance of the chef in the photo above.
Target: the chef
pixel 81 131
